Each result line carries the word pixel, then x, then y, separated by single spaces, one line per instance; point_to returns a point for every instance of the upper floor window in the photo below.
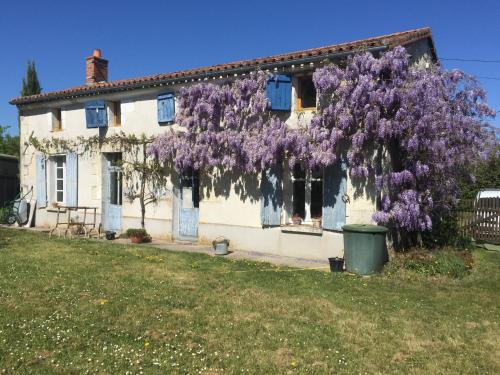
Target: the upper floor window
pixel 116 113
pixel 56 119
pixel 306 93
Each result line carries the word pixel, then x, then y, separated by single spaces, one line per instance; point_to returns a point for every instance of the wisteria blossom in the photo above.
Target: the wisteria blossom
pixel 226 126
pixel 417 130
pixel 413 130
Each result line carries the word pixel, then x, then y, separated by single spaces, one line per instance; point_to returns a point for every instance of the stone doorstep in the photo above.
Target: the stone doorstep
pixel 278 260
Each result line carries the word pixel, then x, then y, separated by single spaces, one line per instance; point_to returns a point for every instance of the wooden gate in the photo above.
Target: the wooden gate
pixel 482 220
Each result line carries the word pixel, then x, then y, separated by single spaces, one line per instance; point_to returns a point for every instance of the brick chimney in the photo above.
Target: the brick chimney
pixel 97 68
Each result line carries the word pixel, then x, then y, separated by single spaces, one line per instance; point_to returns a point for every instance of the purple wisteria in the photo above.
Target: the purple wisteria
pixel 416 130
pixel 225 126
pixel 412 130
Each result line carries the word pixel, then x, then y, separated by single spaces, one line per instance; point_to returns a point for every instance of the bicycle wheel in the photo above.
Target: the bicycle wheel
pixel 10 219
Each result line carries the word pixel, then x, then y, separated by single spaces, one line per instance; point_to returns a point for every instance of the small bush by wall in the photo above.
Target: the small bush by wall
pixel 447 262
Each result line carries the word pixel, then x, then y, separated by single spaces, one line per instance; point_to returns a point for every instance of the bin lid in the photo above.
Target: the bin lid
pixel 364 228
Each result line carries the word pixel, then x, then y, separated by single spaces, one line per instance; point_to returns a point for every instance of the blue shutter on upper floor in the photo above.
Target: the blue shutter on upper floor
pixel 279 92
pixel 71 179
pixel 334 189
pixel 166 108
pixel 96 114
pixel 271 196
pixel 41 181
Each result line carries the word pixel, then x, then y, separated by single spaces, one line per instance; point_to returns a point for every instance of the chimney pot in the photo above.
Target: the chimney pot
pixel 97 68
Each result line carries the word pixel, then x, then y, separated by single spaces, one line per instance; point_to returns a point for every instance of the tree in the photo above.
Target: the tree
pixel 143 175
pixel 8 144
pixel 486 175
pixel 31 85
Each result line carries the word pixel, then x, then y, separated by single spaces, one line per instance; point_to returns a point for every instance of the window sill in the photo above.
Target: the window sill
pixel 56 130
pixel 302 229
pixel 304 110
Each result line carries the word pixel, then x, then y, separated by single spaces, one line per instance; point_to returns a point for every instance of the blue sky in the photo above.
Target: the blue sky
pixel 147 37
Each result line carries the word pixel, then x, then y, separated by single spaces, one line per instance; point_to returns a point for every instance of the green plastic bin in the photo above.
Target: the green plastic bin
pixel 365 250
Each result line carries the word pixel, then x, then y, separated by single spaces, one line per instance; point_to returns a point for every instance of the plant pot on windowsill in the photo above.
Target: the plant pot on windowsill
pixel 138 235
pixel 296 219
pixel 316 222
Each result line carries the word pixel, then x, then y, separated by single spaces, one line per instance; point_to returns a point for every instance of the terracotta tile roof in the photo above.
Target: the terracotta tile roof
pixel 388 41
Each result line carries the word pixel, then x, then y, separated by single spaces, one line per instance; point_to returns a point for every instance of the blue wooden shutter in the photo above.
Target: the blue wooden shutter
pixel 166 108
pixel 96 114
pixel 279 92
pixel 71 179
pixel 272 196
pixel 41 182
pixel 334 188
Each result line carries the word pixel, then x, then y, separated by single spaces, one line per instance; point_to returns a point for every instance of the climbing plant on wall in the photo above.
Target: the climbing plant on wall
pixel 143 175
pixel 226 126
pixel 412 130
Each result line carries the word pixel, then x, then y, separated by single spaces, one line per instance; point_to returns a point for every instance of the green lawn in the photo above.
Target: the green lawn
pixel 71 306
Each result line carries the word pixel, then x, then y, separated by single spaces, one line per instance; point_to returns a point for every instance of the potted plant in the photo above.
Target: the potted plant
pixel 138 235
pixel 316 221
pixel 296 219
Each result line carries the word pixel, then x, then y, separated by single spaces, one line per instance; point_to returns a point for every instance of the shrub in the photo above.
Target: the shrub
pixel 451 263
pixel 4 211
pixel 134 232
pixel 446 232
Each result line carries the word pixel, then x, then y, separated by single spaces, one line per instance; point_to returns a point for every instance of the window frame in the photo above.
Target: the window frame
pixel 54 190
pixel 57 120
pixel 308 179
pixel 116 112
pixel 115 166
pixel 298 93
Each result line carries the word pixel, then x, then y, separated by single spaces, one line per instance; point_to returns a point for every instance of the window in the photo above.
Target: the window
pixel 306 93
pixel 307 193
pixel 58 178
pixel 115 178
pixel 56 119
pixel 190 189
pixel 117 113
pixel 299 192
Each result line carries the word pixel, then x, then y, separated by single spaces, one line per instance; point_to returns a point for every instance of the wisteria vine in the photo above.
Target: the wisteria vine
pixel 415 130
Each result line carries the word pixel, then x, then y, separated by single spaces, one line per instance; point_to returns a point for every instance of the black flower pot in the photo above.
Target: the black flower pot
pixel 336 264
pixel 110 235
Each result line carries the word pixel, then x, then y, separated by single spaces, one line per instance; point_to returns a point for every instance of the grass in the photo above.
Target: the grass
pixel 77 306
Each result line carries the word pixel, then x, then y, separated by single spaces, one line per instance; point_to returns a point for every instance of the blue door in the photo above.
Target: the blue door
pixel 189 205
pixel 112 193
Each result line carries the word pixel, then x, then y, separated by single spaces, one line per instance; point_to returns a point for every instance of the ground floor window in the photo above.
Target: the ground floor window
pixel 307 194
pixel 115 178
pixel 57 181
pixel 190 189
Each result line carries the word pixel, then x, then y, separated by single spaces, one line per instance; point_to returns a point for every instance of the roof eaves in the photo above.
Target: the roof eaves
pixel 375 43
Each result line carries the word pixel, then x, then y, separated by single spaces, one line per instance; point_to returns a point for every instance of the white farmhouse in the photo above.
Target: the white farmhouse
pixel 198 207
